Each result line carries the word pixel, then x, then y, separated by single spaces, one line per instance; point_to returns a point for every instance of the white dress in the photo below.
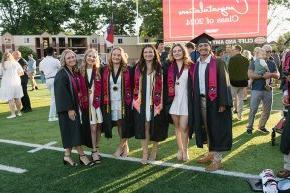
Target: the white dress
pixel 95 114
pixel 116 103
pixel 10 83
pixel 150 78
pixel 180 103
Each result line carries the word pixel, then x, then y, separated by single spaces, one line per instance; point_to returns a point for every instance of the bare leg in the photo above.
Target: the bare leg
pixel 18 104
pixel 67 159
pixel 175 119
pixel 12 106
pixel 183 125
pixel 154 150
pixel 123 145
pixel 83 158
pixel 94 137
pixel 144 143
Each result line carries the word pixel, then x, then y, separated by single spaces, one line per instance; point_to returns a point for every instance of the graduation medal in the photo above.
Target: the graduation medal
pixel 115 79
pixel 90 91
pixel 178 73
pixel 115 88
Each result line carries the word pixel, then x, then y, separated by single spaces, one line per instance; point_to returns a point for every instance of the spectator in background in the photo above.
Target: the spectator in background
pixel 238 68
pixel 31 71
pixel 248 55
pixel 259 92
pixel 24 81
pixel 227 55
pixel 194 54
pixel 50 66
pixel 11 89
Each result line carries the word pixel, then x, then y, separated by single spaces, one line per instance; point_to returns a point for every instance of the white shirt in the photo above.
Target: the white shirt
pixel 201 73
pixel 49 66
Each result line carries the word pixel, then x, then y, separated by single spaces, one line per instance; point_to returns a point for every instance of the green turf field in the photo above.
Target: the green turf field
pixel 46 173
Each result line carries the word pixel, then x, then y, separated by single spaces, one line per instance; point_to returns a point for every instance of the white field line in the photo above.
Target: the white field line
pixel 12 169
pixel 132 159
pixel 43 147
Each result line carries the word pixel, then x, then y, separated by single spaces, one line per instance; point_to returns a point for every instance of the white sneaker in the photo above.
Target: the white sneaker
pixel 19 114
pixel 52 119
pixel 11 117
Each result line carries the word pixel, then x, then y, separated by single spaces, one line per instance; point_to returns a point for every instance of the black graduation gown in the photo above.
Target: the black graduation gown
pixel 127 123
pixel 73 133
pixel 219 124
pixel 158 125
pixel 285 137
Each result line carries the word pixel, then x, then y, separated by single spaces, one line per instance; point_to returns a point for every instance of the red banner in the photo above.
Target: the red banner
pixel 186 19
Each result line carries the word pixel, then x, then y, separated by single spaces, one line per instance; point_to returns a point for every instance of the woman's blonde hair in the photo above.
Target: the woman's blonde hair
pixel 84 64
pixel 62 59
pixel 7 56
pixel 186 59
pixel 124 57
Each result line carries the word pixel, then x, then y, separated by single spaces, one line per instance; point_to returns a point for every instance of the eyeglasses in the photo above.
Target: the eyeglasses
pixel 203 44
pixel 268 51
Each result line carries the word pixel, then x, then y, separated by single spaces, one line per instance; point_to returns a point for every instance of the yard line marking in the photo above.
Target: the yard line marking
pixel 12 169
pixel 133 159
pixel 43 147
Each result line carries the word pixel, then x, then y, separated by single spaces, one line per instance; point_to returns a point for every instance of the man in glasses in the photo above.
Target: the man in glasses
pixel 260 93
pixel 212 102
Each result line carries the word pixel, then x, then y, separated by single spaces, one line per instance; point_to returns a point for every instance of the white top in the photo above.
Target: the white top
pixel 95 114
pixel 49 66
pixel 180 102
pixel 115 95
pixel 201 73
pixel 149 86
pixel 10 83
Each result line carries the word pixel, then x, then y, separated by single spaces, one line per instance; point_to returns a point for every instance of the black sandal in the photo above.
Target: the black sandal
pixel 97 161
pixel 70 163
pixel 90 163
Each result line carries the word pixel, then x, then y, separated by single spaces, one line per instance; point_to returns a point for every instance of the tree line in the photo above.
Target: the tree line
pixel 84 17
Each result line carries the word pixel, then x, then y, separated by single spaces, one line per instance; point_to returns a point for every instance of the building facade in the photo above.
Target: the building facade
pixel 78 43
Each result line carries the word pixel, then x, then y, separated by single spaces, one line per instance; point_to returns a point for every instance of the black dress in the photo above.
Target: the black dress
pixel 159 124
pixel 219 123
pixel 77 132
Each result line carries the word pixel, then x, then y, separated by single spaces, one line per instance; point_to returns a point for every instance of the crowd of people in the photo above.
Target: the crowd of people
pixel 192 86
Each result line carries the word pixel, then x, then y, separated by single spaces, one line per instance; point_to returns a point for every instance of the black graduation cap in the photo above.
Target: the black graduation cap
pixel 202 38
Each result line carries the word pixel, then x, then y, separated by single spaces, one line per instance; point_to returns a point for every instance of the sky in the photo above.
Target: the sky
pixel 280 22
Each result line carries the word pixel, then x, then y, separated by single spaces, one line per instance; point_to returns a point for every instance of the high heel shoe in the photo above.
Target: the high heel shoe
pixel 125 151
pixel 118 152
pixel 88 163
pixel 67 160
pixel 96 157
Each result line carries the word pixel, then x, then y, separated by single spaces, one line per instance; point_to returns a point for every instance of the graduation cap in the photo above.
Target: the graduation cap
pixel 202 38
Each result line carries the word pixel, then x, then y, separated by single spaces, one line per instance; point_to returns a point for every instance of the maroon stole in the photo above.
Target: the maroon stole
pixel 97 89
pixel 157 87
pixel 79 86
pixel 212 79
pixel 171 73
pixel 126 87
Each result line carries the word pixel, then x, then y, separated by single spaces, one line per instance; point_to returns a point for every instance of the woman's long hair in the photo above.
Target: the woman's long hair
pixel 62 59
pixel 124 58
pixel 156 60
pixel 84 65
pixel 7 56
pixel 186 59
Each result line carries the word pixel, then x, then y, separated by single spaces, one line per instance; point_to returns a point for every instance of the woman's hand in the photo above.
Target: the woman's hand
pixel 157 110
pixel 72 115
pixel 136 105
pixel 285 100
pixel 222 109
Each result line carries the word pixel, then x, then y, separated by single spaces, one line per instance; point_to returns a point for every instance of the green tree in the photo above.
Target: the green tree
pixel 12 15
pixel 35 16
pixel 25 51
pixel 283 42
pixel 279 2
pixel 151 13
pixel 88 18
pixel 123 14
